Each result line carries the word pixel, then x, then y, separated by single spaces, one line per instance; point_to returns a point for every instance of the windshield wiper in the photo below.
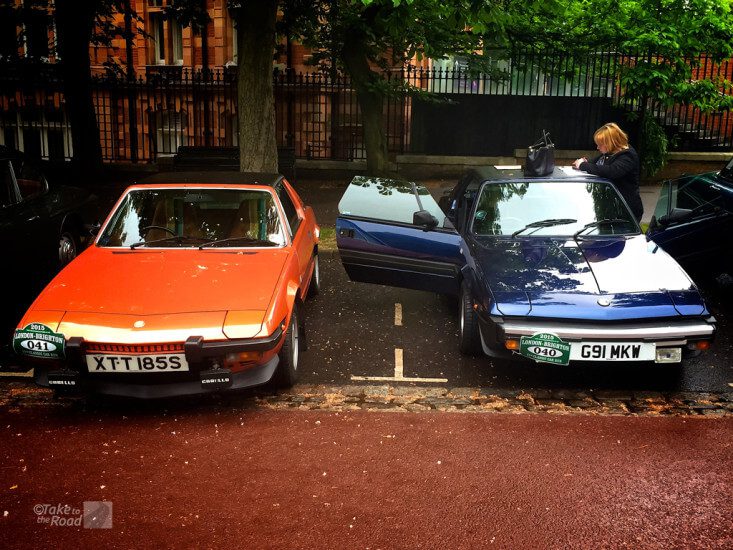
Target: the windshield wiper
pixel 178 239
pixel 544 223
pixel 248 240
pixel 599 222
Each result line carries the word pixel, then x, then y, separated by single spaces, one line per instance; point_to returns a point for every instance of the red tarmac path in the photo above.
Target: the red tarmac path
pixel 316 479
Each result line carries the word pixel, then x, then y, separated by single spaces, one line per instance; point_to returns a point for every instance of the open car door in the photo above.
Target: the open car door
pixel 393 233
pixel 692 215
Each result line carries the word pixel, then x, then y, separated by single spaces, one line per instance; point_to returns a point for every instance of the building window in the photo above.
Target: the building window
pixel 235 43
pixel 228 122
pixel 167 38
pixel 170 131
pixel 44 134
pixel 8 33
pixel 36 34
pixel 176 43
pixel 158 33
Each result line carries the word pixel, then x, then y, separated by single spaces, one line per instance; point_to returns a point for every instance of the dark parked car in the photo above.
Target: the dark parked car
pixel 42 228
pixel 554 269
pixel 693 221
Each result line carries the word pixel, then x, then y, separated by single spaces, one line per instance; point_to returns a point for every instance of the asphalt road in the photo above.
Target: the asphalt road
pixel 353 338
pixel 207 478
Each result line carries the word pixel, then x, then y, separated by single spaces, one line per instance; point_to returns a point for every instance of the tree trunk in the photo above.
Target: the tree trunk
pixel 74 25
pixel 371 102
pixel 130 74
pixel 256 104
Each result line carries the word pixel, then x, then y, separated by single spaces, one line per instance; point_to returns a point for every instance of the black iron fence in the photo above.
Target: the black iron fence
pixel 447 110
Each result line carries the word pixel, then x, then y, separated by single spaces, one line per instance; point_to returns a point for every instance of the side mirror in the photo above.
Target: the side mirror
pixel 425 219
pixel 93 228
pixel 676 215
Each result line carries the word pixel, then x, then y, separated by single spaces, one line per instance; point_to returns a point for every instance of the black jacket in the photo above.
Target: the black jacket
pixel 622 169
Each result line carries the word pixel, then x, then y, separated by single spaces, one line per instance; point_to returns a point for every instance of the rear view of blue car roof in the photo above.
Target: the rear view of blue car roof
pixel 492 173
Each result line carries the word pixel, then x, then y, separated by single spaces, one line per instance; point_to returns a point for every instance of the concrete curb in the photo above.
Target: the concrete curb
pixel 414 399
pixel 482 400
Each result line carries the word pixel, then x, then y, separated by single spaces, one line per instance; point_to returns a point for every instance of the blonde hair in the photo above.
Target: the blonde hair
pixel 612 137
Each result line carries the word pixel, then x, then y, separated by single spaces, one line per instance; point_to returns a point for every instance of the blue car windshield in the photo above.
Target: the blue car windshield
pixel 560 208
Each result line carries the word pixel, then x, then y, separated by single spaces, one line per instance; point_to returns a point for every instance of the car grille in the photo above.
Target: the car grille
pixel 96 347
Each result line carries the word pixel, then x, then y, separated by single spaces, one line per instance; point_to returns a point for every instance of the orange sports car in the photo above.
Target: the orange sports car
pixel 194 283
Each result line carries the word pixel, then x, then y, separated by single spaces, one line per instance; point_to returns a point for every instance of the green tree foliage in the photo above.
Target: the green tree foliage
pixel 664 40
pixel 668 37
pixel 368 38
pixel 189 13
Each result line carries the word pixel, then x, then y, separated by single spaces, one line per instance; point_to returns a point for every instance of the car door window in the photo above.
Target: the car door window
pixel 30 180
pixel 465 202
pixel 7 185
pixel 291 213
pixel 701 197
pixel 387 200
pixel 663 205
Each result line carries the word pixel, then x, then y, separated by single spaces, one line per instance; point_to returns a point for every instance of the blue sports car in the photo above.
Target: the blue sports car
pixel 553 269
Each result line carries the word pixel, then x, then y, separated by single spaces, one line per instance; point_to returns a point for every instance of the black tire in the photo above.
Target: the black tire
pixel 286 374
pixel 469 342
pixel 69 246
pixel 315 285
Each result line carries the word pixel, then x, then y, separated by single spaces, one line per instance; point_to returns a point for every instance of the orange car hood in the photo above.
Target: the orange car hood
pixel 159 282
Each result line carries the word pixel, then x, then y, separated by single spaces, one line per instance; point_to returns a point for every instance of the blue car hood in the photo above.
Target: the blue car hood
pixel 562 278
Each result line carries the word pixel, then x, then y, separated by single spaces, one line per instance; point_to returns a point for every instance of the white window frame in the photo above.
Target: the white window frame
pixel 43 126
pixel 158 35
pixel 170 131
pixel 176 48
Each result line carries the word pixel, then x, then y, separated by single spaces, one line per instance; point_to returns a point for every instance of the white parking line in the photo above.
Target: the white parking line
pixel 28 374
pixel 398 315
pixel 399 374
pixel 398 365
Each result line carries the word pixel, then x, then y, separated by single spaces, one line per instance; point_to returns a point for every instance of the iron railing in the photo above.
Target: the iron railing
pixel 317 114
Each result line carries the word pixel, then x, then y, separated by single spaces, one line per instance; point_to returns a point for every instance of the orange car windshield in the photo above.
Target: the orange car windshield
pixel 194 218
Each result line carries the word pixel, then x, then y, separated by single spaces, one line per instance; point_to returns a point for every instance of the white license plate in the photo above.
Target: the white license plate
pixel 612 351
pixel 103 362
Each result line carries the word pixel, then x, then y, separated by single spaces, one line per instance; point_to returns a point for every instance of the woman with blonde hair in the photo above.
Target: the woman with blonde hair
pixel 617 162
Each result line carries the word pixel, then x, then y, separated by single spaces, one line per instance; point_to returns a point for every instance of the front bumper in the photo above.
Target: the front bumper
pixel 496 331
pixel 200 378
pixel 98 384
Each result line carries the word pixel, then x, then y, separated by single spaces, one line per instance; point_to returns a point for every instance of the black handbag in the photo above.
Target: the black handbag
pixel 540 157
